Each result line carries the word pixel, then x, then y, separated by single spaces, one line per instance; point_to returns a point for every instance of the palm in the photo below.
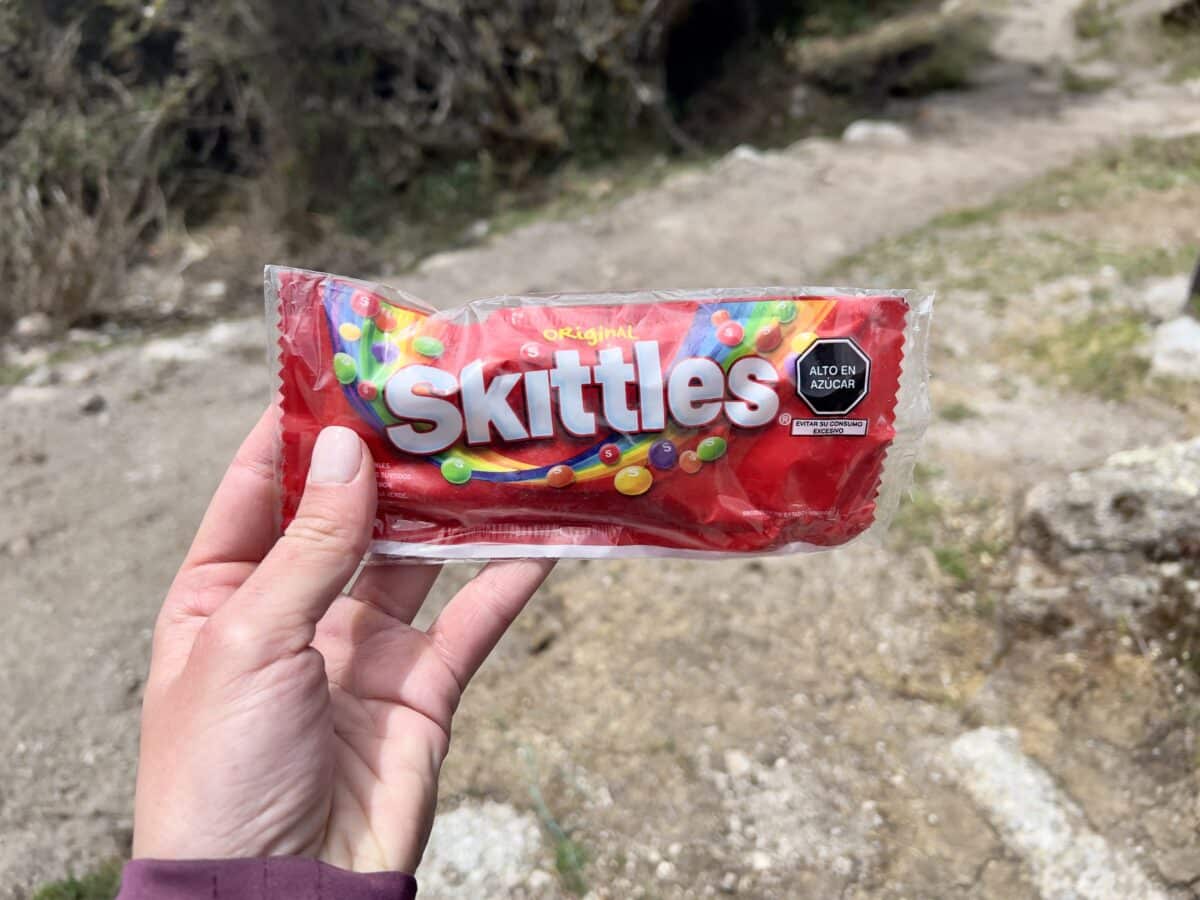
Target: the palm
pixel 280 722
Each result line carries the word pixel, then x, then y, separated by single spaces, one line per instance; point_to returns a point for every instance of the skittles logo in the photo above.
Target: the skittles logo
pixel 649 419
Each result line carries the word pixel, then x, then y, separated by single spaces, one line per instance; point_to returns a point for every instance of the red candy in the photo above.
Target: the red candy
pixel 366 305
pixel 768 338
pixel 731 334
pixel 620 425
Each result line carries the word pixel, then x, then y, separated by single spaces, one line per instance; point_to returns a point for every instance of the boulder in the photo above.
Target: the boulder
pixel 1118 544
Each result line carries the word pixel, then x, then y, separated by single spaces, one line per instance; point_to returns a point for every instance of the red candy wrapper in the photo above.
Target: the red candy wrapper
pixel 668 423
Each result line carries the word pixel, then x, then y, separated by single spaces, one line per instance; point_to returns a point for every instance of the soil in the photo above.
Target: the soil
pixel 772 728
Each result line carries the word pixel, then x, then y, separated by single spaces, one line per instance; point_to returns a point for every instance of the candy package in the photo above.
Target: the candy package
pixel 705 423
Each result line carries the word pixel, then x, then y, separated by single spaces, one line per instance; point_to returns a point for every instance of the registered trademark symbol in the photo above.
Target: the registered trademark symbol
pixel 785 419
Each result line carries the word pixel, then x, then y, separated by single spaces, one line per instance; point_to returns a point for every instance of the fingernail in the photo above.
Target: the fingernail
pixel 336 456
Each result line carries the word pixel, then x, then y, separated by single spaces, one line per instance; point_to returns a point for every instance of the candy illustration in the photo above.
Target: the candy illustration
pixel 731 334
pixel 384 352
pixel 456 471
pixel 560 476
pixel 690 462
pixel 768 338
pixel 610 454
pixel 785 311
pixel 366 305
pixel 367 391
pixel 711 449
pixel 429 346
pixel 663 455
pixel 349 331
pixel 801 341
pixel 633 481
pixel 385 321
pixel 344 367
pixel 720 317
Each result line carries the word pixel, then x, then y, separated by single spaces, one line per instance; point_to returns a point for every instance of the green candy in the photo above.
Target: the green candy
pixel 711 449
pixel 429 346
pixel 456 471
pixel 344 367
pixel 785 311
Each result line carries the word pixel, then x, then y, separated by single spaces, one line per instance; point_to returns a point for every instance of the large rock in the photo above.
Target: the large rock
pixel 1116 544
pixel 1175 350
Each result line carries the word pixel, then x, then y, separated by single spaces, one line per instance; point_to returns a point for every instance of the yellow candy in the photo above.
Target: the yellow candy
pixel 633 480
pixel 801 341
pixel 349 331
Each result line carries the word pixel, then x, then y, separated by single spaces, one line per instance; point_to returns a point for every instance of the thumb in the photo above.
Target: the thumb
pixel 275 611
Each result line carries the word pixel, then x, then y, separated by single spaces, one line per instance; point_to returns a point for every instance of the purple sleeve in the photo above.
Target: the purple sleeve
pixel 277 878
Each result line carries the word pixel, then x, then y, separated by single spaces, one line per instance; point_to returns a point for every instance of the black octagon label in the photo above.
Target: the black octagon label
pixel 832 376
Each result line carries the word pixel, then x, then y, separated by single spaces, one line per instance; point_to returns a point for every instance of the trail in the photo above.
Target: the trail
pixel 656 673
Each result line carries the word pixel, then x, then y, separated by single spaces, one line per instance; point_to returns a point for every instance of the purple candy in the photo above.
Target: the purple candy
pixel 384 352
pixel 663 455
pixel 789 367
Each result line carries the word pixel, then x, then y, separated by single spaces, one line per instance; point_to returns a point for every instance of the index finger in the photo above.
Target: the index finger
pixel 240 524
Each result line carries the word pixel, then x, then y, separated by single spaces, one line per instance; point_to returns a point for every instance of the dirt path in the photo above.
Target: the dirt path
pixel 776 728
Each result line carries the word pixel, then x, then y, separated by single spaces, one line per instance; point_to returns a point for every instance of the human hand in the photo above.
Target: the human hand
pixel 284 718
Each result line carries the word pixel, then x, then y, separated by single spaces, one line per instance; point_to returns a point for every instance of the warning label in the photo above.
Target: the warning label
pixel 829 427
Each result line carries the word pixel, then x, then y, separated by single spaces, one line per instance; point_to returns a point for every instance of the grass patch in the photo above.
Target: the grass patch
pixel 1096 20
pixel 100 884
pixel 1075 82
pixel 1097 355
pixel 570 857
pixel 957 412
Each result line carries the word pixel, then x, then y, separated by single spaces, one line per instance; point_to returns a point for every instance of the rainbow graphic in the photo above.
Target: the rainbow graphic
pixel 372 339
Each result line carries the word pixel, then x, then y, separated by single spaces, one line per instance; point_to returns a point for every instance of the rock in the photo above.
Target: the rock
pixel 737 763
pixel 1179 866
pixel 77 373
pixel 1117 544
pixel 180 349
pixel 34 326
pixel 1162 298
pixel 744 153
pixel 237 334
pixel 868 131
pixel 42 376
pixel 94 403
pixel 664 871
pixel 539 880
pixel 28 395
pixel 480 850
pixel 213 290
pixel 1175 349
pixel 760 861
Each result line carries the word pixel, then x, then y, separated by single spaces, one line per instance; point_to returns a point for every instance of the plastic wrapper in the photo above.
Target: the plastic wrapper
pixel 704 423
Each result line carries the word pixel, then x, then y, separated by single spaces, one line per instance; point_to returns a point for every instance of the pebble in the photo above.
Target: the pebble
pixel 366 305
pixel 94 403
pixel 769 337
pixel 429 347
pixel 711 449
pixel 664 870
pixel 560 476
pixel 731 334
pixel 690 462
pixel 633 481
pixel 20 546
pixel 663 455
pixel 344 367
pixel 456 470
pixel 879 133
pixel 760 861
pixel 34 325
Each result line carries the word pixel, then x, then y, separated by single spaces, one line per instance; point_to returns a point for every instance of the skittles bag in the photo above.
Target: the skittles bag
pixel 707 423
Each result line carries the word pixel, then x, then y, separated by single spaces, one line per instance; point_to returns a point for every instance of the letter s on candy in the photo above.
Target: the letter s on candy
pixel 404 403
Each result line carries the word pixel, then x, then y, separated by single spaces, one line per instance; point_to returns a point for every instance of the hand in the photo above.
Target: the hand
pixel 283 718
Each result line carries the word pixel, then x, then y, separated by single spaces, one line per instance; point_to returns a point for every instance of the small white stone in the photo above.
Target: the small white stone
pixel 42 376
pixel 34 325
pixel 213 290
pixel 539 880
pixel 760 861
pixel 674 850
pixel 737 763
pixel 868 131
pixel 1175 349
pixel 664 870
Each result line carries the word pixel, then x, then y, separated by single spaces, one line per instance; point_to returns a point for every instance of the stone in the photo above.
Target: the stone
pixel 34 326
pixel 93 404
pixel 42 376
pixel 1161 299
pixel 477 850
pixel 878 133
pixel 1175 349
pixel 1116 544
pixel 737 763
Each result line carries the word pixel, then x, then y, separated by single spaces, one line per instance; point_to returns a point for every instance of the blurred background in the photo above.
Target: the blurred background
pixel 999 701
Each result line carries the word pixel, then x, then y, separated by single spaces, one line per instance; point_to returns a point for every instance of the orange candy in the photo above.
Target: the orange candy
pixel 560 476
pixel 690 462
